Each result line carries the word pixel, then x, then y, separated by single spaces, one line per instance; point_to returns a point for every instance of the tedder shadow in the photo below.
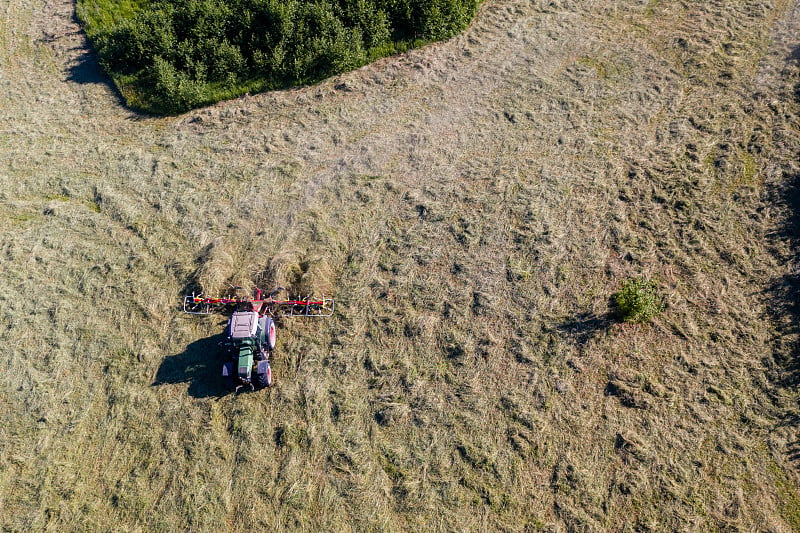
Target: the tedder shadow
pixel 199 365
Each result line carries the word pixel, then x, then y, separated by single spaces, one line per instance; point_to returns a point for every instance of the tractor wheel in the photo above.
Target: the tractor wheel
pixel 270 333
pixel 262 381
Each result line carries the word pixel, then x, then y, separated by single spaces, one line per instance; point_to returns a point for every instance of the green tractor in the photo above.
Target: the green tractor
pixel 250 334
pixel 249 342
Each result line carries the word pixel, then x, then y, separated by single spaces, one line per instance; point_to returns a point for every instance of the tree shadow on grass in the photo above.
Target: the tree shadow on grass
pixel 199 365
pixel 784 293
pixel 86 69
pixel 83 67
pixel 784 307
pixel 794 56
pixel 792 448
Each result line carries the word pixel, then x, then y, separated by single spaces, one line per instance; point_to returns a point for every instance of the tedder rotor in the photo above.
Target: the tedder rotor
pixel 250 333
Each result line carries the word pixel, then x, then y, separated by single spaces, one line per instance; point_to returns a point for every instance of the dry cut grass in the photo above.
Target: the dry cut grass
pixel 472 205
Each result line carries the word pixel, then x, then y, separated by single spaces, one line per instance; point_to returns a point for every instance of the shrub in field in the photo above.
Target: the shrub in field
pixel 179 54
pixel 173 89
pixel 638 300
pixel 320 45
pixel 133 45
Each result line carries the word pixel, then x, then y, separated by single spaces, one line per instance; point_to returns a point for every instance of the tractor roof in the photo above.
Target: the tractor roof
pixel 243 324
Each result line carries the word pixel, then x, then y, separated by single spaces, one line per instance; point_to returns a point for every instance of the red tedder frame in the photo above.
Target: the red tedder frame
pixel 197 304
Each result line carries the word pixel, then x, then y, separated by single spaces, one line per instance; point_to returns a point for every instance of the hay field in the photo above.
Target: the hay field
pixel 472 205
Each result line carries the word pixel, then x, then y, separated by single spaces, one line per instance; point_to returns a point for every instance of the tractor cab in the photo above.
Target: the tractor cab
pixel 242 325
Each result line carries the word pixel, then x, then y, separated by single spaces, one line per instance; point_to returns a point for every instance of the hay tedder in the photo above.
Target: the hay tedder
pixel 250 334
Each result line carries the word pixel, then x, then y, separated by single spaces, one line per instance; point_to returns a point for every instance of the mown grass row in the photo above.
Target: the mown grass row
pixel 171 56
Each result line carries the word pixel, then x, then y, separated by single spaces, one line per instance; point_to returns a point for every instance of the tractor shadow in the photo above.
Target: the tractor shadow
pixel 199 365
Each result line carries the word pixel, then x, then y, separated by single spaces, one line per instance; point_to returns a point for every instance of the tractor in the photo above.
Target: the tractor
pixel 250 335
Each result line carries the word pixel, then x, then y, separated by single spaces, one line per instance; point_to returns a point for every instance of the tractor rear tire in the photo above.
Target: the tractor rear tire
pixel 262 381
pixel 269 333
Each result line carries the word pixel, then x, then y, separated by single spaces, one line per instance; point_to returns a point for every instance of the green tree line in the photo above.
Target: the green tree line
pixel 168 56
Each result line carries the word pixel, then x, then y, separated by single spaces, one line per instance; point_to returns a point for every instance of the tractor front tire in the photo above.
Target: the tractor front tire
pixel 262 381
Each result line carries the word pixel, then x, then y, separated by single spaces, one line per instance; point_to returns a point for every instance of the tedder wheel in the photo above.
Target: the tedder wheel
pixel 264 380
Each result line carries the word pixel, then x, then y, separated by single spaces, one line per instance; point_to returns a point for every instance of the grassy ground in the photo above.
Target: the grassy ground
pixel 473 205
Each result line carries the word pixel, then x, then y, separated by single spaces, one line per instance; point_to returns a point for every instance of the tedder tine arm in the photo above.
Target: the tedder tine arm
pixel 308 307
pixel 196 305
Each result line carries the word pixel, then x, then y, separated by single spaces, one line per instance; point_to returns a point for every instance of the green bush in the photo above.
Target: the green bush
pixel 173 90
pixel 320 45
pixel 638 300
pixel 133 45
pixel 179 54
